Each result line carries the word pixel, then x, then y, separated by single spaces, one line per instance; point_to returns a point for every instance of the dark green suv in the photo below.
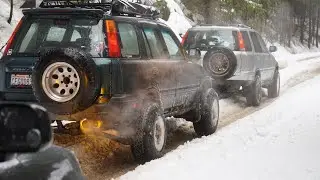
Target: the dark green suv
pixel 117 73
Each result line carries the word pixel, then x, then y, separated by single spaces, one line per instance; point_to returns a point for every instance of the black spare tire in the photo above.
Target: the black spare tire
pixel 66 80
pixel 220 63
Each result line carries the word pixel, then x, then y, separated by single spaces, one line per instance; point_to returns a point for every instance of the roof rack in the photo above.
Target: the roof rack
pixel 225 24
pixel 110 7
pixel 243 26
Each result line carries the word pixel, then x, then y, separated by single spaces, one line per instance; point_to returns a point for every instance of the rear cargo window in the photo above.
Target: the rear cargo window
pixel 256 43
pixel 37 33
pixel 129 40
pixel 206 39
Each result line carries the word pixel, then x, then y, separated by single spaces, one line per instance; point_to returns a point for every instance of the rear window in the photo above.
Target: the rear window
pixel 76 32
pixel 212 38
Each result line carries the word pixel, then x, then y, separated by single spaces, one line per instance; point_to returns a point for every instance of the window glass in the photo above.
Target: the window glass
pixel 247 41
pixel 75 35
pixel 27 40
pixel 262 43
pixel 157 49
pixel 206 39
pixel 146 45
pixel 129 40
pixel 38 32
pixel 256 43
pixel 56 34
pixel 172 46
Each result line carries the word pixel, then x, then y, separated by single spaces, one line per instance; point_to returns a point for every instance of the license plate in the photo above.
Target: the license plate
pixel 20 80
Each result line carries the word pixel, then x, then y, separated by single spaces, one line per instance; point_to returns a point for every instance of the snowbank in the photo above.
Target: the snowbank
pixel 177 20
pixel 5 28
pixel 273 143
pixel 295 67
pixel 285 56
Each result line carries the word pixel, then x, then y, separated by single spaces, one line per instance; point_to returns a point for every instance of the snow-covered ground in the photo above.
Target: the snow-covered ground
pixel 280 141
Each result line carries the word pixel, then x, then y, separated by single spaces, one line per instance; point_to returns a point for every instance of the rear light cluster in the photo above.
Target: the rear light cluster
pixel 242 46
pixel 12 37
pixel 114 50
pixel 184 38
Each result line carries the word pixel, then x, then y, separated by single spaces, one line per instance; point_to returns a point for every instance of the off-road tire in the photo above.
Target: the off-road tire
pixel 144 147
pixel 209 120
pixel 231 58
pixel 254 92
pixel 89 77
pixel 274 88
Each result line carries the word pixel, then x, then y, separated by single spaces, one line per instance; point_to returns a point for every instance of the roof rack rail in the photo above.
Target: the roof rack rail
pixel 224 24
pixel 204 25
pixel 110 7
pixel 243 26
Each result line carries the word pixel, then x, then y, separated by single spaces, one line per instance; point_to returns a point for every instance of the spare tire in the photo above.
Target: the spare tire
pixel 66 80
pixel 220 63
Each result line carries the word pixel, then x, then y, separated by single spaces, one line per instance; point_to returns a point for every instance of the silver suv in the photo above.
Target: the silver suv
pixel 237 58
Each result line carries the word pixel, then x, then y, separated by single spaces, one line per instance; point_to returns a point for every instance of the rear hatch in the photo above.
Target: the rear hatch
pixel 206 38
pixel 39 31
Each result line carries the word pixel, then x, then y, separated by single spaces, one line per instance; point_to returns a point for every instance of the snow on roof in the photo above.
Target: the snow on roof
pixel 253 3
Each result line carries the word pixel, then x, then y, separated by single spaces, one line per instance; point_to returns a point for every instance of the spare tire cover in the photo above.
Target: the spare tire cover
pixel 220 63
pixel 66 80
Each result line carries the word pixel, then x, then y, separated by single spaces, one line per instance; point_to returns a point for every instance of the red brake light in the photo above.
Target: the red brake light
pixel 9 43
pixel 184 38
pixel 242 46
pixel 113 40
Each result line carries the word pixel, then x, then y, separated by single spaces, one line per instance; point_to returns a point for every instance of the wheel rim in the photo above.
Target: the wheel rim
pixel 259 89
pixel 214 112
pixel 159 133
pixel 278 84
pixel 219 63
pixel 61 82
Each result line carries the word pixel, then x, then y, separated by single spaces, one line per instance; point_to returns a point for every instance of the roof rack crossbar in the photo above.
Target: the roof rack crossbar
pixel 224 24
pixel 110 7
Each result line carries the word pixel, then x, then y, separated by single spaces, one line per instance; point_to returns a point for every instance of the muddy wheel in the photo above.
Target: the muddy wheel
pixel 208 123
pixel 274 88
pixel 151 140
pixel 254 92
pixel 66 80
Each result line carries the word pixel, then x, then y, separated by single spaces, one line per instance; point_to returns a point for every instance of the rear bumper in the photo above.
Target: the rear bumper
pixel 25 96
pixel 120 114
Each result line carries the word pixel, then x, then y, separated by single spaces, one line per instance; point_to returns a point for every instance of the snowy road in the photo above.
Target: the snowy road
pixel 102 159
pixel 281 141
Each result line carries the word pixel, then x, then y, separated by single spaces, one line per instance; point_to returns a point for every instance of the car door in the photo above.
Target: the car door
pixel 260 55
pixel 247 57
pixel 143 65
pixel 188 73
pixel 161 64
pixel 269 62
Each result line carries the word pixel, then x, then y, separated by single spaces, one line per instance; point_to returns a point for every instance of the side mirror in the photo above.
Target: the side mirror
pixel 194 54
pixel 273 48
pixel 23 128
